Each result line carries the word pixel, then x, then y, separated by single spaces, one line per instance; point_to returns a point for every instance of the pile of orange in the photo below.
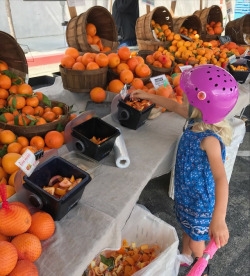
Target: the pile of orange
pixel 21 238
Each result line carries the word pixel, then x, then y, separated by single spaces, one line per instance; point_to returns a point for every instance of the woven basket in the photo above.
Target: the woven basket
pixel 41 130
pixel 83 81
pixel 236 28
pixel 13 55
pixel 206 16
pixel 151 45
pixel 99 16
pixel 160 15
pixel 189 22
pixel 144 53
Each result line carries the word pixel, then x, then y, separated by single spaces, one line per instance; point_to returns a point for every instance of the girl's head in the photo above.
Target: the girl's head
pixel 212 90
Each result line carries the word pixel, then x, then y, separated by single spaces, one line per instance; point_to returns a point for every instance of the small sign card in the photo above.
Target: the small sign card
pixel 124 92
pixel 160 80
pixel 185 67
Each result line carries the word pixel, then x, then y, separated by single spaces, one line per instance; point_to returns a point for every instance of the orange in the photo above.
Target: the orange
pixel 132 63
pixel 28 246
pixel 25 89
pixel 72 116
pixel 140 59
pixel 95 39
pixel 102 59
pixel 8 162
pixel 3 65
pixel 106 49
pixel 142 70
pixel 24 267
pixel 92 65
pixel 38 110
pixel 40 121
pixel 54 139
pixel 8 257
pixel 49 116
pixel 11 180
pixel 16 101
pixel 124 53
pixel 89 39
pixel 115 86
pixel 137 83
pixel 78 66
pixel 32 101
pixel 42 225
pixel 6 117
pixel 23 120
pixel 67 61
pixel 126 76
pixel 121 67
pixel 7 136
pixel 114 60
pixel 3 173
pixel 57 110
pixel 23 141
pixel 27 109
pixel 37 142
pixel 31 148
pixel 87 57
pixel 39 95
pixel 91 29
pixel 4 94
pixel 5 82
pixel 15 220
pixel 97 94
pixel 4 238
pixel 150 59
pixel 14 147
pixel 164 91
pixel 71 51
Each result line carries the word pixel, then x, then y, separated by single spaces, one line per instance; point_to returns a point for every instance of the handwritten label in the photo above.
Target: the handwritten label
pixel 160 80
pixel 27 162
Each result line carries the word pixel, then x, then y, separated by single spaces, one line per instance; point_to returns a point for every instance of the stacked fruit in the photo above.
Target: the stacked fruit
pixel 21 237
pixel 214 28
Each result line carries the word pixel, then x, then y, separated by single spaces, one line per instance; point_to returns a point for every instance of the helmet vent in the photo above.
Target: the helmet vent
pixel 210 79
pixel 196 88
pixel 223 88
pixel 216 85
pixel 225 80
pixel 208 72
pixel 218 76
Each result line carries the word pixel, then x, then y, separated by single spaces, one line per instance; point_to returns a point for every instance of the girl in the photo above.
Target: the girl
pixel 201 186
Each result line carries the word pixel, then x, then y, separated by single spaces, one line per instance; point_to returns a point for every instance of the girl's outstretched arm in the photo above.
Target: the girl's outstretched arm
pixel 218 227
pixel 170 105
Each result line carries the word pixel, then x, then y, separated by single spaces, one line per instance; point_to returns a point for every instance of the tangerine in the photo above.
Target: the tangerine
pixel 78 66
pixel 14 147
pixel 124 53
pixel 16 102
pixel 23 141
pixel 4 94
pixel 102 59
pixel 24 89
pixel 49 116
pixel 92 65
pixel 71 51
pixel 24 267
pixel 115 86
pixel 6 117
pixel 57 110
pixel 28 246
pixel 9 160
pixel 37 142
pixel 97 94
pixel 32 101
pixel 91 29
pixel 15 220
pixel 38 110
pixel 3 65
pixel 67 61
pixel 7 136
pixel 126 76
pixel 42 225
pixel 27 109
pixel 54 139
pixel 8 257
pixel 5 82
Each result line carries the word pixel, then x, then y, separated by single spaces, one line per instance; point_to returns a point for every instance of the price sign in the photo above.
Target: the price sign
pixel 185 67
pixel 224 39
pixel 232 59
pixel 160 80
pixel 124 92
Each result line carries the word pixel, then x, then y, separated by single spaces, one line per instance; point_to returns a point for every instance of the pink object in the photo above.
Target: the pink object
pixel 202 262
pixel 211 89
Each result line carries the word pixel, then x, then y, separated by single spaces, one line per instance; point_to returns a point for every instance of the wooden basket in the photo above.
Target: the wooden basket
pixel 189 22
pixel 206 16
pixel 143 29
pixel 105 25
pixel 152 45
pixel 83 81
pixel 41 130
pixel 237 28
pixel 13 55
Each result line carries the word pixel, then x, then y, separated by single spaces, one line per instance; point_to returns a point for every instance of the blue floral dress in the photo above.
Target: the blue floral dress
pixel 194 184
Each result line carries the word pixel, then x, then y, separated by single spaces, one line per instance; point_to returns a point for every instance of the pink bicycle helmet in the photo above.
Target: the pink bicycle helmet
pixel 211 89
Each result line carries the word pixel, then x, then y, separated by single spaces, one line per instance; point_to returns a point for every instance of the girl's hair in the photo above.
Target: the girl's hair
pixel 223 128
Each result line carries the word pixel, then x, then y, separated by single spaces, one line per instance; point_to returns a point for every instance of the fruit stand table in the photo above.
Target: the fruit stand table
pixel 96 221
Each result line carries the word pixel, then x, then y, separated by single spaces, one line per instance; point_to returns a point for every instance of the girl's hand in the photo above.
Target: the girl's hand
pixel 139 94
pixel 219 232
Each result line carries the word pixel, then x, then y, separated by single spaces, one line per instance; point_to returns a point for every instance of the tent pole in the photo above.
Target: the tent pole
pixel 72 10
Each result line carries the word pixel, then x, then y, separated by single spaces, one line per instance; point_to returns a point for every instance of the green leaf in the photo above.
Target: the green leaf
pixel 10 74
pixel 46 100
pixel 60 127
pixel 110 262
pixel 2 118
pixel 3 150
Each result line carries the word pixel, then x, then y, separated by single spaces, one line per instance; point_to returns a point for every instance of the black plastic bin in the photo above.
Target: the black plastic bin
pixel 56 207
pixel 100 129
